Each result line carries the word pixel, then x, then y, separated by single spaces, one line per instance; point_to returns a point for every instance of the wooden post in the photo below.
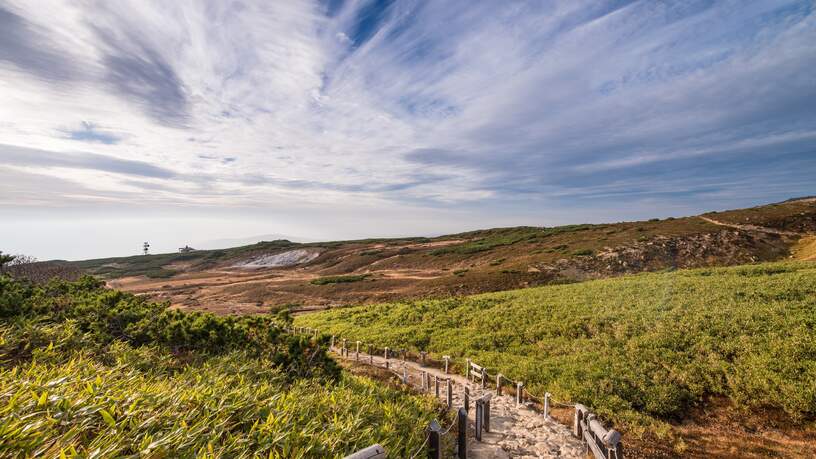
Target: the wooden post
pixel 372 452
pixel 447 360
pixel 387 365
pixel 498 384
pixel 386 353
pixel 519 398
pixel 484 378
pixel 479 419
pixel 370 355
pixel 547 405
pixel 331 343
pixel 467 399
pixel 577 425
pixel 424 381
pixel 343 349
pixel 434 447
pixel 436 385
pixel 467 371
pixel 461 438
pixel 449 394
pixel 357 351
pixel 486 414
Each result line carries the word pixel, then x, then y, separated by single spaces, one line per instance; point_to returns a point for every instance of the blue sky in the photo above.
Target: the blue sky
pixel 182 122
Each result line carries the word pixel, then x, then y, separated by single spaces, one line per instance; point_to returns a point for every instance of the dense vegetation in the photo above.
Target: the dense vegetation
pixel 91 372
pixel 640 350
pixel 338 279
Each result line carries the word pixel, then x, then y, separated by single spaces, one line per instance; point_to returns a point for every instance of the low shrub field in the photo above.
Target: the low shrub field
pixel 90 372
pixel 640 350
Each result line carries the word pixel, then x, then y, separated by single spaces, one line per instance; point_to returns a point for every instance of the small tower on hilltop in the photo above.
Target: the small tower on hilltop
pixel 146 247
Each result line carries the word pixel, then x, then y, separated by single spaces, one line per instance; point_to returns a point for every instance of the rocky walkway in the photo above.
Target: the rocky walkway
pixel 515 431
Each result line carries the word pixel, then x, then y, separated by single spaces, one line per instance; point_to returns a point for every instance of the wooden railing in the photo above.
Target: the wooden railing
pixel 604 444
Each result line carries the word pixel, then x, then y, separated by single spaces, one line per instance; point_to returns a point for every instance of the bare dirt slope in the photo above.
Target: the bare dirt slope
pixel 255 278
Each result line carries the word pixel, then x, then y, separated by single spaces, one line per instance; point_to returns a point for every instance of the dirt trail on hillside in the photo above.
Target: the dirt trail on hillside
pixel 761 229
pixel 515 431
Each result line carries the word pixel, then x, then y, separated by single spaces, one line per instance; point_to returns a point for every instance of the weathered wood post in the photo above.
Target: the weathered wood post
pixel 467 399
pixel 486 413
pixel 547 404
pixel 343 349
pixel 467 371
pixel 404 375
pixel 519 397
pixel 461 438
pixel 425 381
pixel 434 435
pixel 372 452
pixel 357 351
pixel 449 393
pixel 484 378
pixel 498 384
pixel 331 343
pixel 370 355
pixel 436 386
pixel 447 360
pixel 479 419
pixel 386 353
pixel 577 425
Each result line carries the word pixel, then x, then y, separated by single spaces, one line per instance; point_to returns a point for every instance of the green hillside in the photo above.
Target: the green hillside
pixel 641 349
pixel 89 372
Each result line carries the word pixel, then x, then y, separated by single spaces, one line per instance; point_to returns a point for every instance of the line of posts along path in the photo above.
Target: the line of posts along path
pixel 516 430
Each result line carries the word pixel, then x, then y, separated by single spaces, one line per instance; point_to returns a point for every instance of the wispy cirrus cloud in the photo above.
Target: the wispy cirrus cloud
pixel 566 104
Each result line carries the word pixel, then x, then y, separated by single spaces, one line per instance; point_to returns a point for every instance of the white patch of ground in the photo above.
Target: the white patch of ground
pixel 280 260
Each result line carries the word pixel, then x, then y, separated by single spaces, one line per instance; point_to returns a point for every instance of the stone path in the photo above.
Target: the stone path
pixel 515 431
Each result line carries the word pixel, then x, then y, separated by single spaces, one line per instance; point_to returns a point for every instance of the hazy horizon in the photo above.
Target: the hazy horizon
pixel 182 122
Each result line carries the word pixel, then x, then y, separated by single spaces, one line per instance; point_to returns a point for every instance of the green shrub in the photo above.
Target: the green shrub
pixel 338 279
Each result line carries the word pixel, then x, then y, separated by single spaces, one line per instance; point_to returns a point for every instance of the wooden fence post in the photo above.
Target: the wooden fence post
pixel 447 360
pixel 370 355
pixel 479 419
pixel 484 378
pixel 498 384
pixel 461 439
pixel 486 414
pixel 577 425
pixel 424 381
pixel 547 405
pixel 467 372
pixel 357 351
pixel 331 343
pixel 386 353
pixel 436 385
pixel 404 375
pixel 434 447
pixel 467 399
pixel 519 399
pixel 449 394
pixel 343 349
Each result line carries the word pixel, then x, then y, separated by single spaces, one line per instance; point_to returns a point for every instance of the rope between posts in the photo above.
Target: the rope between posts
pixel 427 437
pixel 449 428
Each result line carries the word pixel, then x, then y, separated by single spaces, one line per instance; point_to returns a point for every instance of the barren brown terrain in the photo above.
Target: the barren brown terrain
pixel 303 277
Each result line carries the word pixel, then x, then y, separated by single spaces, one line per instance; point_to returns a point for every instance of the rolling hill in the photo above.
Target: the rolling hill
pixel 307 276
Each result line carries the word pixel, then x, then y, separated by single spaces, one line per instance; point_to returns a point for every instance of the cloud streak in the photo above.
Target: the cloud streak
pixel 566 104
